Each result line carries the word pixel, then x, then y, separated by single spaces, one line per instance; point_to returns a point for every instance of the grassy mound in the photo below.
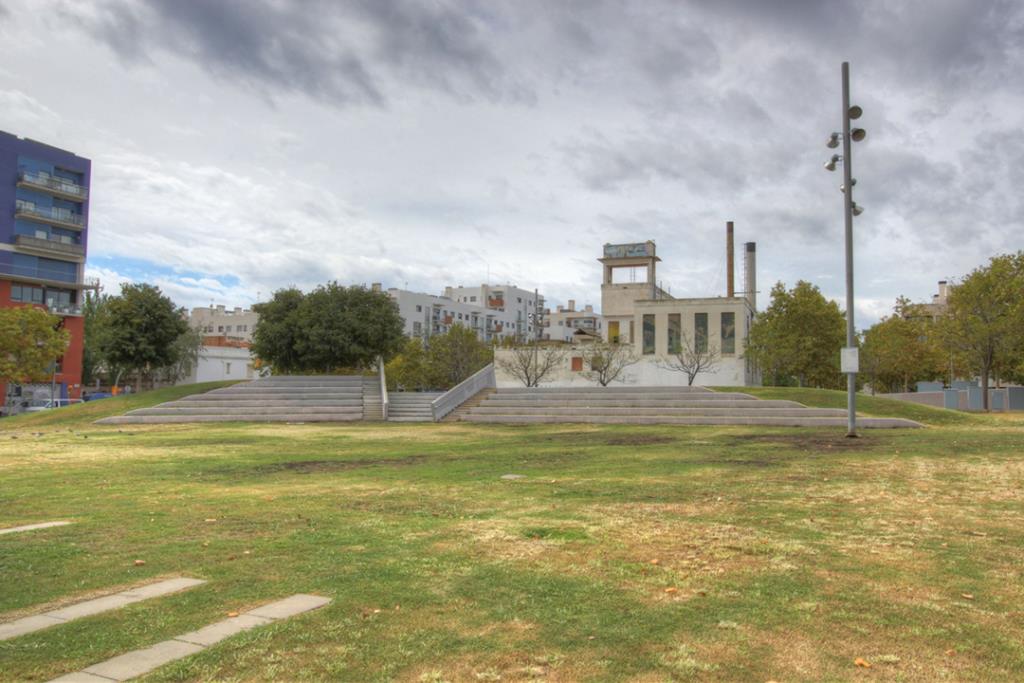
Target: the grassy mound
pixel 85 413
pixel 873 406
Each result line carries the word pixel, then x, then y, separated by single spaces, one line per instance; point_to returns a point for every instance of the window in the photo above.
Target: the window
pixel 675 333
pixel 419 308
pixel 228 328
pixel 577 364
pixel 417 328
pixel 648 326
pixel 220 328
pixel 700 332
pixel 728 333
pixel 227 368
pixel 27 294
pixel 613 331
pixel 473 299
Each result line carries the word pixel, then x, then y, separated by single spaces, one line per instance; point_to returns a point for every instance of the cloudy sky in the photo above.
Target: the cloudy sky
pixel 240 146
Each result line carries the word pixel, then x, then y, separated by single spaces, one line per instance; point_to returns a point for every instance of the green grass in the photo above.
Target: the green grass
pixel 90 411
pixel 625 553
pixel 873 406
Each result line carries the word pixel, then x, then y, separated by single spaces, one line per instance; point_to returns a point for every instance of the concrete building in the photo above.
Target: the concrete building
pixel 426 315
pixel 641 314
pixel 936 308
pixel 223 359
pixel 564 322
pixel 525 306
pixel 236 323
pixel 44 225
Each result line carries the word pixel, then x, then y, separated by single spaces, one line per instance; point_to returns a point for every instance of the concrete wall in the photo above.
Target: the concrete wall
pixel 645 373
pixel 218 363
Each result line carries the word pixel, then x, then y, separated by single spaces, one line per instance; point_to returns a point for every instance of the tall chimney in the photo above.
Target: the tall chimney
pixel 730 280
pixel 750 273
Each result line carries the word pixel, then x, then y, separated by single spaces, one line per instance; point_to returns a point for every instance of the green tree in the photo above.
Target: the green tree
pixel 96 320
pixel 275 336
pixel 798 338
pixel 142 328
pixel 408 370
pixel 902 349
pixel 187 349
pixel 985 318
pixel 330 328
pixel 31 341
pixel 454 356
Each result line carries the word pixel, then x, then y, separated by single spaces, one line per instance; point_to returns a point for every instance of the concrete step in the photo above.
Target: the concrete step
pixel 257 410
pixel 607 390
pixel 752 411
pixel 279 417
pixel 206 398
pixel 621 396
pixel 867 422
pixel 496 401
pixel 406 418
pixel 280 402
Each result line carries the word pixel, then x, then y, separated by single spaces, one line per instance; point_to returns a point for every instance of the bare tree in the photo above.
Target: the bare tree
pixel 608 361
pixel 531 363
pixel 692 358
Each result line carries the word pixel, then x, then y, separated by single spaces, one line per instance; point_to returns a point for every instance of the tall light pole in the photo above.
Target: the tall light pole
pixel 850 209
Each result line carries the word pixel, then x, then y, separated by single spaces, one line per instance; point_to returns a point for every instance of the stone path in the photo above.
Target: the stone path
pixel 139 662
pixel 32 527
pixel 37 622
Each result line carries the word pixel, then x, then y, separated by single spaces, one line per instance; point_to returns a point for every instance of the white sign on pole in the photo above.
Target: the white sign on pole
pixel 850 360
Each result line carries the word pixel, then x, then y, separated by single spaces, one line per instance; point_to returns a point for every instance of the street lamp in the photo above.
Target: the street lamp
pixel 850 209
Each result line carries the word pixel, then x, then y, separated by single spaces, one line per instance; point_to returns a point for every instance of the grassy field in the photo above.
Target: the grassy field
pixel 623 554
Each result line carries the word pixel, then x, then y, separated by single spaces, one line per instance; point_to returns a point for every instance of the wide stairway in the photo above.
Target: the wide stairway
pixel 657 405
pixel 411 406
pixel 273 399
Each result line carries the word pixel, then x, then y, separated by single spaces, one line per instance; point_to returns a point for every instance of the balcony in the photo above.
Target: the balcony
pixel 50 248
pixel 60 187
pixel 48 215
pixel 65 309
pixel 495 302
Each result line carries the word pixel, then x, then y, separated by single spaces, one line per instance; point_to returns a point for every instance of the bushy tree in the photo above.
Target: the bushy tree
pixel 95 314
pixel 985 318
pixel 142 328
pixel 902 349
pixel 454 356
pixel 331 328
pixel 798 338
pixel 31 341
pixel 444 362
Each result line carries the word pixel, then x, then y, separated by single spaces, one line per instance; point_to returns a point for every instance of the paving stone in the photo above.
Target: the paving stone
pixel 155 590
pixel 20 627
pixel 31 527
pixel 214 633
pixel 133 664
pixel 289 607
pixel 81 677
pixel 91 607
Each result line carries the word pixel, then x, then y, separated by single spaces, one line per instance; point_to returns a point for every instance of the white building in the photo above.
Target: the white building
pixel 525 306
pixel 218 363
pixel 562 323
pixel 218 321
pixel 427 314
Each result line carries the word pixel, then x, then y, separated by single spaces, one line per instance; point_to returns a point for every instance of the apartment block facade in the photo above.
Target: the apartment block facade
pixel 566 323
pixel 526 307
pixel 426 315
pixel 44 226
pixel 220 321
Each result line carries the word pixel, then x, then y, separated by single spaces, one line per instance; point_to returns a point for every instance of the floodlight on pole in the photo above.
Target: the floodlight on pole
pixel 850 209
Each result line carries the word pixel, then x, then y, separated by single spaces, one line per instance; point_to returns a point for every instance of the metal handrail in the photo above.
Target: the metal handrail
pixel 49 213
pixel 54 183
pixel 463 391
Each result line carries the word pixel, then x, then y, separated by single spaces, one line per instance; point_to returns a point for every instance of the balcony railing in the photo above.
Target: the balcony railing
pixel 44 273
pixel 48 214
pixel 65 309
pixel 50 246
pixel 54 184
